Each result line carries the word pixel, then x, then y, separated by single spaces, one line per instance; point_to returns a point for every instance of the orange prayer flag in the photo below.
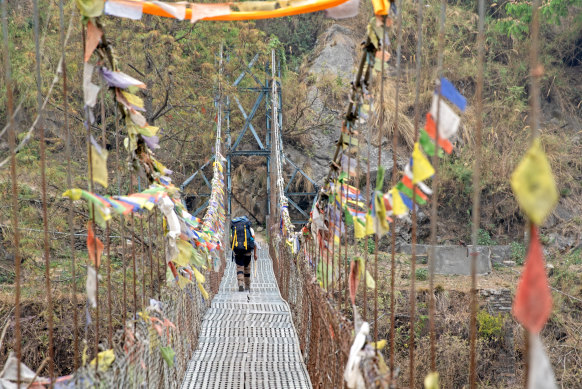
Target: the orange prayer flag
pixel 533 300
pixel 431 131
pixel 94 245
pixel 94 35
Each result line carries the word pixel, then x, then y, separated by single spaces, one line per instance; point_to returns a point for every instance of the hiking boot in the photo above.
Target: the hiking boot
pixel 241 288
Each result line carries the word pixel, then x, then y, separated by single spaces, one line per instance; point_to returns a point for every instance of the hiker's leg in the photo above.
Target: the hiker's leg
pixel 239 274
pixel 248 276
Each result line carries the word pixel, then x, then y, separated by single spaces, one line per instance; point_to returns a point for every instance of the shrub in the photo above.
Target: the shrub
pixel 517 252
pixel 490 327
pixel 421 274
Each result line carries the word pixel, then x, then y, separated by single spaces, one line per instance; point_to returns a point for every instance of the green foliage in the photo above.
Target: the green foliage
pixel 519 16
pixel 484 238
pixel 490 327
pixel 573 258
pixel 517 252
pixel 421 274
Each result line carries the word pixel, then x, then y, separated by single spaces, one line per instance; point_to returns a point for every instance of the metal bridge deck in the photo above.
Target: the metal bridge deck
pixel 247 339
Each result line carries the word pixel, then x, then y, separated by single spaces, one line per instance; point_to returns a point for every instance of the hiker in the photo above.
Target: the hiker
pixel 243 246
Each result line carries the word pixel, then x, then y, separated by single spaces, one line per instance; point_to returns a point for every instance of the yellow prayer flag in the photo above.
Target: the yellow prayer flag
pixel 99 164
pixel 105 359
pixel 533 184
pixel 133 99
pixel 370 224
pixel 398 206
pixel 431 381
pixel 359 228
pixel 199 276
pixel 383 225
pixel 421 167
pixel 148 130
pixel 183 281
pixel 184 253
pixel 203 291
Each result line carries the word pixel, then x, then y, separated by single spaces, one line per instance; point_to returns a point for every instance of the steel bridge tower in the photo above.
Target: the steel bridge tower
pixel 249 82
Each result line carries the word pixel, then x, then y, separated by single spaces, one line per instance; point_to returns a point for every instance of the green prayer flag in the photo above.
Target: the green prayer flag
pixel 349 217
pixel 427 144
pixel 168 354
pixel 380 178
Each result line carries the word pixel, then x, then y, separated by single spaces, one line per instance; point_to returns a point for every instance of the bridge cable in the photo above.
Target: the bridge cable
pixel 12 146
pixel 394 182
pixel 46 245
pixel 414 213
pixel 476 193
pixel 435 181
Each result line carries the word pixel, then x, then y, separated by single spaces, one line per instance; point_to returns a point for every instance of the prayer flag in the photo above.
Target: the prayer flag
pixel 93 38
pixel 427 144
pixel 381 7
pixel 431 131
pixel 206 11
pixel 91 8
pixel 398 206
pixel 370 229
pixel 533 300
pixel 177 10
pixel 94 246
pixel 533 184
pixel 451 93
pixel 448 120
pixel 124 9
pixel 349 9
pixel 99 163
pixel 90 90
pixel 421 167
pixel 540 372
pixel 359 228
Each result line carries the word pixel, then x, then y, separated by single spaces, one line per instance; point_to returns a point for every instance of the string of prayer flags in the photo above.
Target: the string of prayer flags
pixel 98 163
pixel 533 300
pixel 533 184
pixel 405 187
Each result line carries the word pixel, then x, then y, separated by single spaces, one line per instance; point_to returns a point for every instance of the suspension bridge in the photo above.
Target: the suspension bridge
pixel 158 306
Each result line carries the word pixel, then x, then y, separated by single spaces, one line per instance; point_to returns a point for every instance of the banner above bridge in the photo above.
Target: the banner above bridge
pixel 248 10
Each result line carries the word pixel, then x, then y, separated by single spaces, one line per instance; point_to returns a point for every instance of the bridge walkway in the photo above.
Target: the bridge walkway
pixel 247 339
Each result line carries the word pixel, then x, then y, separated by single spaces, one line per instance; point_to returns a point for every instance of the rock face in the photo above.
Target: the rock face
pixel 334 59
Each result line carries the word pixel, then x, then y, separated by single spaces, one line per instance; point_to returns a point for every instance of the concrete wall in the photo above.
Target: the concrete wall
pixel 455 259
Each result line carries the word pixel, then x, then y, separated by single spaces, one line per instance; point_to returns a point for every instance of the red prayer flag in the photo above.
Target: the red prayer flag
pixel 533 300
pixel 92 40
pixel 94 246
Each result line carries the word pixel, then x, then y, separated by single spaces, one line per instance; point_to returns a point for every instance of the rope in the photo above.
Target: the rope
pixel 476 194
pixel 394 181
pixel 13 177
pixel 46 245
pixel 412 344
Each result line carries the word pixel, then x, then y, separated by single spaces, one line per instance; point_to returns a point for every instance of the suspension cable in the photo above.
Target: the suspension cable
pixel 13 177
pixel 394 181
pixel 46 245
pixel 414 213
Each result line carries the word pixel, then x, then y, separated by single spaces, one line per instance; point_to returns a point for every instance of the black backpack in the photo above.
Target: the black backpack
pixel 240 231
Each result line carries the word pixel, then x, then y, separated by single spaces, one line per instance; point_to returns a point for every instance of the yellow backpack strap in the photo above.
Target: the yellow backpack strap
pixel 246 238
pixel 234 241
